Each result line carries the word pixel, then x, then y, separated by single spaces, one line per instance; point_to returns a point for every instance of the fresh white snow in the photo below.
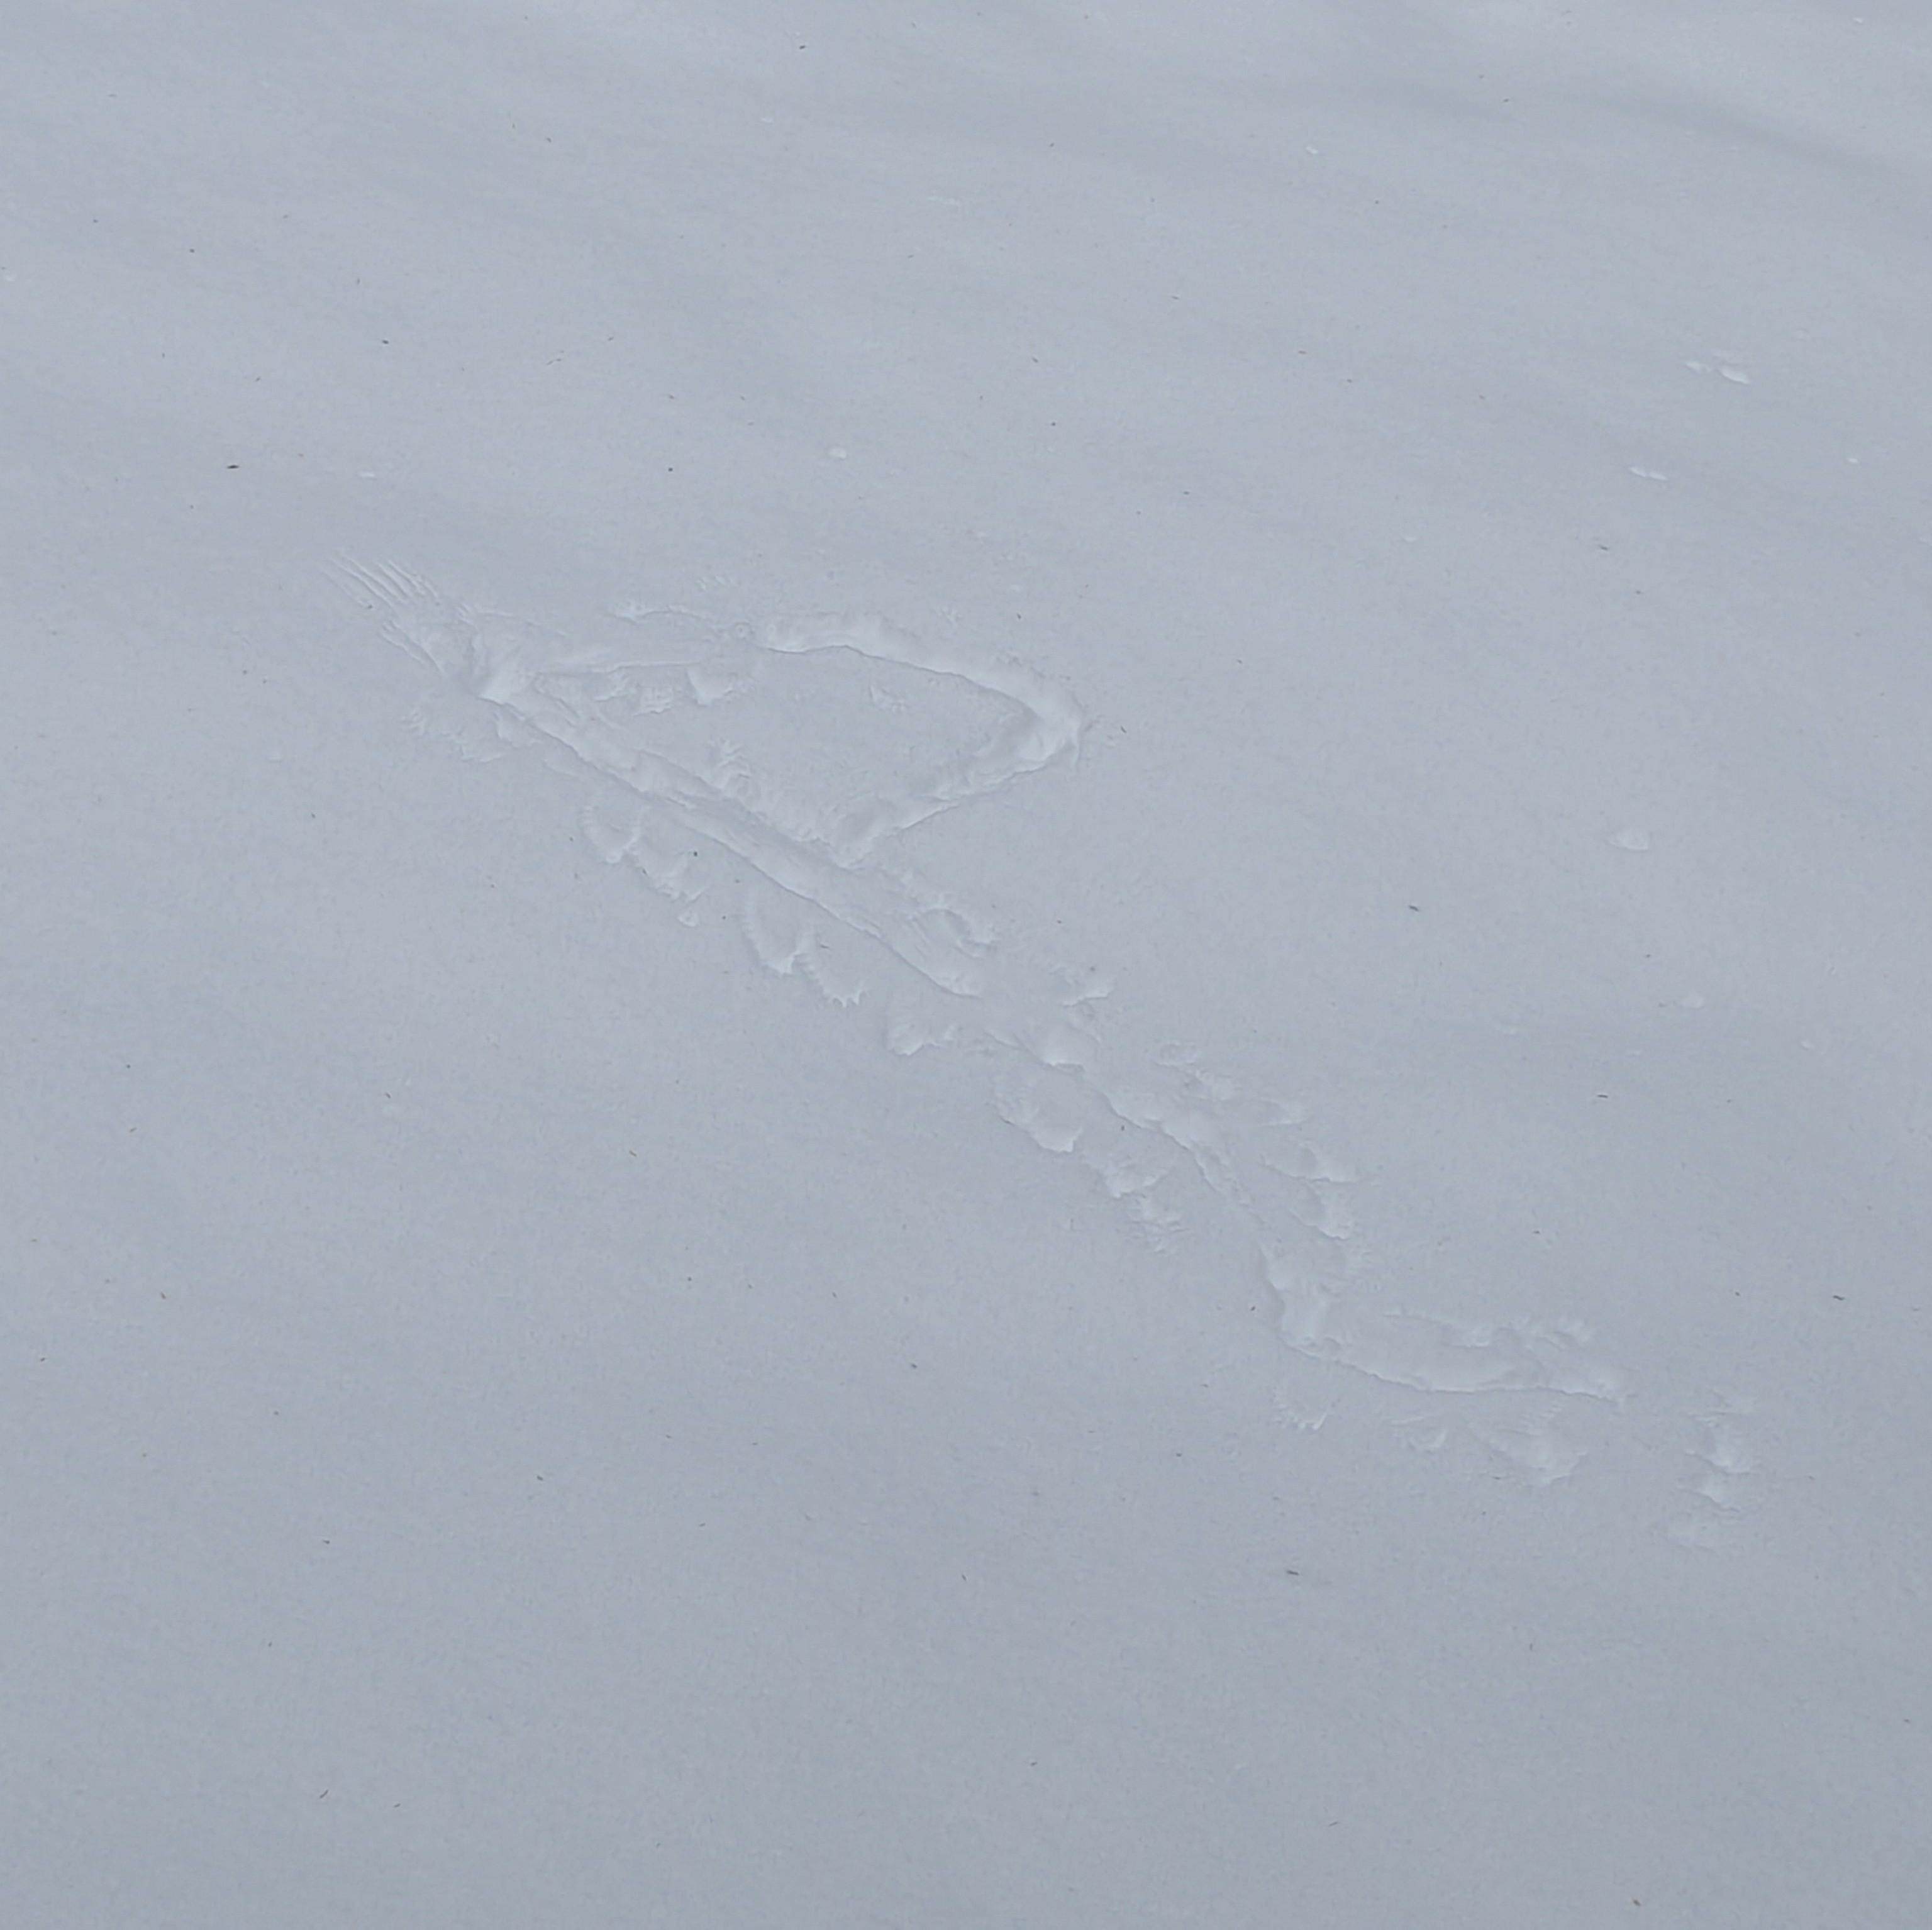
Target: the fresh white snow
pixel 966 966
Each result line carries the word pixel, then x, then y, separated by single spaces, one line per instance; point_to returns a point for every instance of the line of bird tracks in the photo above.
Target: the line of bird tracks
pixel 779 768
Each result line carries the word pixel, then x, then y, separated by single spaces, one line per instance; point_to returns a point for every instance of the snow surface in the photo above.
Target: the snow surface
pixel 966 965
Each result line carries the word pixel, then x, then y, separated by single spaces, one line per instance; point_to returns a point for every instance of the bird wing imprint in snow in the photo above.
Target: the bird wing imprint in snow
pixel 783 763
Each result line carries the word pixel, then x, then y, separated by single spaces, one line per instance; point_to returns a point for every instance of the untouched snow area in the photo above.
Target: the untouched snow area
pixel 966 966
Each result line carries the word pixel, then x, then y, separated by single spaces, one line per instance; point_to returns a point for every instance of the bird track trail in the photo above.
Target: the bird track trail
pixel 783 765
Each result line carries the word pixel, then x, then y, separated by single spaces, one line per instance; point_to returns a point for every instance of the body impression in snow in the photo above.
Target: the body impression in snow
pixel 779 766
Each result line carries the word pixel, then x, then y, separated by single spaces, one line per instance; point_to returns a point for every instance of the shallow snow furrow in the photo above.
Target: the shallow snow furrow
pixel 681 729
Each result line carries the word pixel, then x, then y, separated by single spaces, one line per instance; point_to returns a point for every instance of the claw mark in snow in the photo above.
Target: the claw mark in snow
pixel 785 763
